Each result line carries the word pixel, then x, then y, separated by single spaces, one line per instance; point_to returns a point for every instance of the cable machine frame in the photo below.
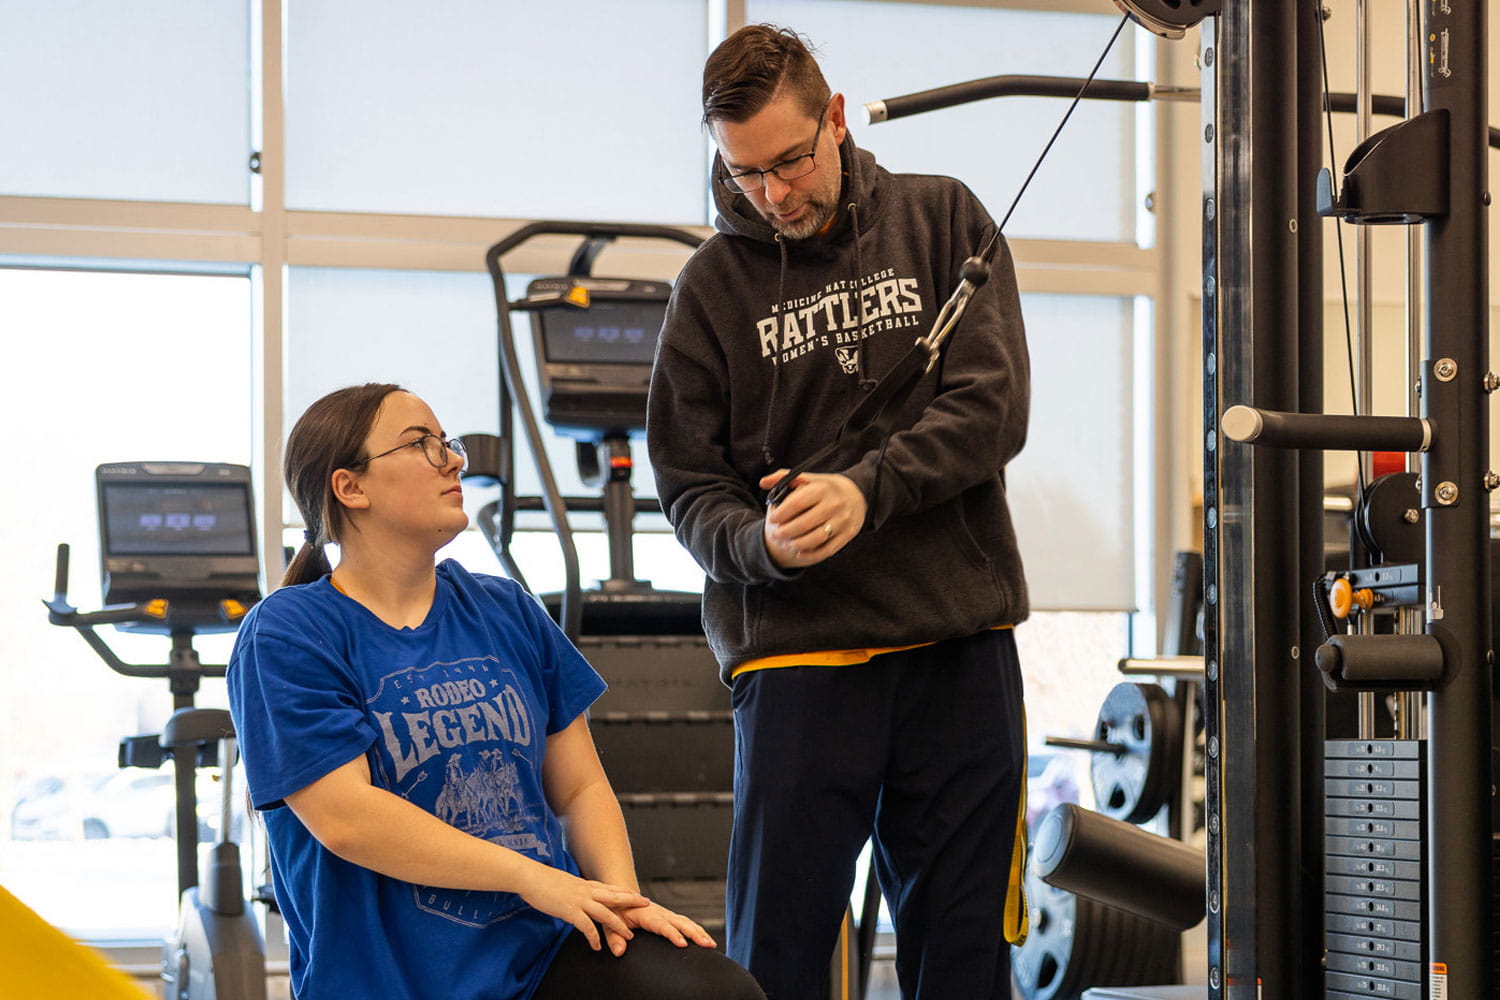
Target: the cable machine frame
pixel 1262 101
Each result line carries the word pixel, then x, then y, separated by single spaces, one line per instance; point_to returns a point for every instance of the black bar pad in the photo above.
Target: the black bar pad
pixel 1090 854
pixel 1382 661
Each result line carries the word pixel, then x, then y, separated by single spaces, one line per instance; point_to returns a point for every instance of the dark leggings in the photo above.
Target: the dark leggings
pixel 652 968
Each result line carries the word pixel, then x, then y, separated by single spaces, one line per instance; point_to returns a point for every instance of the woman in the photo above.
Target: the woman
pixel 439 822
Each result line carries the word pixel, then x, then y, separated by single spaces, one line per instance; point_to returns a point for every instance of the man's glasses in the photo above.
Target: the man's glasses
pixel 434 448
pixel 787 170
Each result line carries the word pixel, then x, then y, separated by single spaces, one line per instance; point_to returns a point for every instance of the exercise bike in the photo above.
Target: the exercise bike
pixel 178 558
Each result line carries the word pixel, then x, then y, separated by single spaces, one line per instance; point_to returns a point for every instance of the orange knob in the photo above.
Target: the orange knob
pixel 1341 598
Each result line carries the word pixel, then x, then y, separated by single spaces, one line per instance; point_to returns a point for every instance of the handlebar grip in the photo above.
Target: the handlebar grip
pixel 115 616
pixel 60 584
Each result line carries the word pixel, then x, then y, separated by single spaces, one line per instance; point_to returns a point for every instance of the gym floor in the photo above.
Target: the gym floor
pixel 883 985
pixel 883 982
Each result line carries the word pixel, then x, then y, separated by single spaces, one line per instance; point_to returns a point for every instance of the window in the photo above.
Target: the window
pixel 141 101
pixel 583 110
pixel 1072 488
pixel 110 367
pixel 1085 190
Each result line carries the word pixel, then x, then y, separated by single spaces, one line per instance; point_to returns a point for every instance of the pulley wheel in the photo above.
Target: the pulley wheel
pixel 1046 965
pixel 1143 723
pixel 1168 18
pixel 1382 521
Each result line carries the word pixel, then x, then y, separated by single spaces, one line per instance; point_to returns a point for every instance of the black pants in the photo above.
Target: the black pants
pixel 652 968
pixel 922 749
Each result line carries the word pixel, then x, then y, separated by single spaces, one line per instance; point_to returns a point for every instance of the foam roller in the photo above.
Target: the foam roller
pixel 1121 865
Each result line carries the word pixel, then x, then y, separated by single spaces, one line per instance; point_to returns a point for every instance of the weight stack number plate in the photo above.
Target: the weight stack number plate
pixel 1375 885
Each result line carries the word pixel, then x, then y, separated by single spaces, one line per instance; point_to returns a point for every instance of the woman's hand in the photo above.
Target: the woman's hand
pixel 585 904
pixel 659 920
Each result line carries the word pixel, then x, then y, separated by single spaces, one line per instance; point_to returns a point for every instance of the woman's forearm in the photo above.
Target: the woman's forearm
pixel 597 837
pixel 371 827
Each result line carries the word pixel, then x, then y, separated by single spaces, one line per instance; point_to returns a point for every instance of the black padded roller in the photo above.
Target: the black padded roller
pixel 1381 661
pixel 1121 865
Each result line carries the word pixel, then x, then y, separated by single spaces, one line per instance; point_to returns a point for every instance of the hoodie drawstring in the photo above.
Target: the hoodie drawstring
pixel 866 384
pixel 765 441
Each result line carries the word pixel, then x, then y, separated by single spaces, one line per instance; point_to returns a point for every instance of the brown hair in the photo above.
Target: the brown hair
pixel 752 65
pixel 330 435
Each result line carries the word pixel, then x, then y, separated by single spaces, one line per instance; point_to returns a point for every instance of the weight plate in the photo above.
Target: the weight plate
pixel 1044 966
pixel 1077 943
pixel 1144 723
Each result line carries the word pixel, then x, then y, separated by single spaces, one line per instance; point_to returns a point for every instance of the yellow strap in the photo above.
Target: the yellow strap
pixel 1017 913
pixel 38 960
pixel 823 658
pixel 827 657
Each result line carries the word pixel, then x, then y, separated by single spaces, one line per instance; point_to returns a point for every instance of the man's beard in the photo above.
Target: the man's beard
pixel 814 218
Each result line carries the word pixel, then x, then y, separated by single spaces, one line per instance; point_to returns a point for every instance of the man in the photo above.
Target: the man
pixel 864 621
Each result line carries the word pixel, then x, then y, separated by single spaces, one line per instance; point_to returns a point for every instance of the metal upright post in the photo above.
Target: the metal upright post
pixel 1457 512
pixel 1258 946
pixel 1364 256
pixel 1415 49
pixel 1307 977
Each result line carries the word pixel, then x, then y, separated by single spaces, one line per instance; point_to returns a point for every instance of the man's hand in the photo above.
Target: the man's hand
pixel 822 514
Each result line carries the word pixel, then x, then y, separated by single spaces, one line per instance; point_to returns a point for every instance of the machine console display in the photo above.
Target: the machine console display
pixel 609 333
pixel 595 341
pixel 184 531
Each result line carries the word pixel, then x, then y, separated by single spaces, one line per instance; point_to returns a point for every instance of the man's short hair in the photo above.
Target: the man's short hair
pixel 752 65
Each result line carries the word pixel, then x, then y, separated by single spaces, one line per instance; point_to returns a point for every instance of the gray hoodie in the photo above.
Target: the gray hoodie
pixel 769 344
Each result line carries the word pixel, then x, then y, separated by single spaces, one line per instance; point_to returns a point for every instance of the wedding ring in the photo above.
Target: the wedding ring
pixel 827 531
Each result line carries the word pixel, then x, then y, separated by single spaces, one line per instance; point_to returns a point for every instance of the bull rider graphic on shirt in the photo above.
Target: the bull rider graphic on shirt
pixel 461 740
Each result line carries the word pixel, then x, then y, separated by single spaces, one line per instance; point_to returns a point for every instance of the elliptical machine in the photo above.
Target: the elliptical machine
pixel 178 558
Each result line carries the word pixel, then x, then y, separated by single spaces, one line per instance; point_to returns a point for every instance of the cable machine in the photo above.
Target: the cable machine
pixel 1430 170
pixel 1304 893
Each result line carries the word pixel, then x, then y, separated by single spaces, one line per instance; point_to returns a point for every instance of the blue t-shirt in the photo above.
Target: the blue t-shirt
pixel 452 716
